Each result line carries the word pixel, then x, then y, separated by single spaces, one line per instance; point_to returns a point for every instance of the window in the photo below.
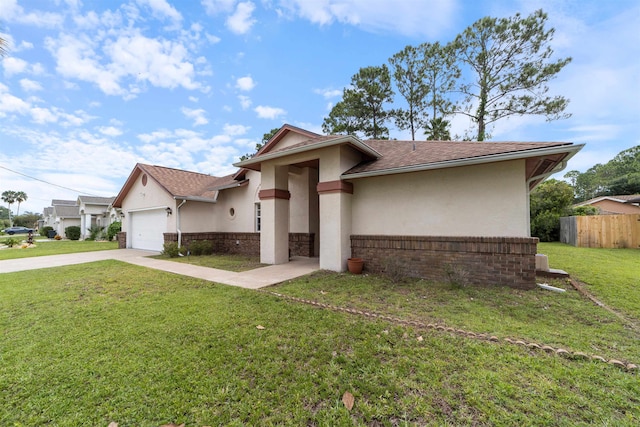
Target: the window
pixel 258 217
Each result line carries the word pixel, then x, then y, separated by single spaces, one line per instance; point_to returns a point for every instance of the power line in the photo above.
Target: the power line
pixel 48 183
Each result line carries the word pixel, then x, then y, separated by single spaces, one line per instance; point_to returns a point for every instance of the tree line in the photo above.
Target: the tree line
pixel 496 68
pixel 553 199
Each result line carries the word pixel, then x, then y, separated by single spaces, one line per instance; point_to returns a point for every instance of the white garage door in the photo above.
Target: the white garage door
pixel 147 228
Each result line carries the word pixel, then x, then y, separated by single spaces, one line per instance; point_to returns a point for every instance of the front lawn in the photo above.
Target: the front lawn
pixel 613 275
pixel 227 262
pixel 108 341
pixel 53 247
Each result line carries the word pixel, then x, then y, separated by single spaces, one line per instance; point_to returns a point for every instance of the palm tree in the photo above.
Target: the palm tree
pixel 10 198
pixel 437 130
pixel 20 197
pixel 3 46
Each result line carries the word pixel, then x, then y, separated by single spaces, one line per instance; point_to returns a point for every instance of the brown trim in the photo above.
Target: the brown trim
pixel 274 193
pixel 338 186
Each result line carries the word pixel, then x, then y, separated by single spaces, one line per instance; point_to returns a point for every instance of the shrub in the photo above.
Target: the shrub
pixel 114 228
pixel 457 276
pixel 44 231
pixel 546 226
pixel 11 242
pixel 172 250
pixel 395 270
pixel 72 232
pixel 95 232
pixel 201 247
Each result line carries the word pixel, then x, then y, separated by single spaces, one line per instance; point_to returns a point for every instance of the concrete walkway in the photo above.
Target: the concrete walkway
pixel 252 279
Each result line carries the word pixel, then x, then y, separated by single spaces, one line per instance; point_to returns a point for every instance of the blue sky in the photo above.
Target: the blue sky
pixel 90 88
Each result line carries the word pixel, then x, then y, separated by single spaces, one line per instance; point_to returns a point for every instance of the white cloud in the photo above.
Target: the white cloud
pixel 405 17
pixel 235 130
pixel 328 93
pixel 10 11
pixel 213 7
pixel 30 85
pixel 135 58
pixel 266 112
pixel 193 99
pixel 109 131
pixel 245 83
pixel 241 21
pixel 162 8
pixel 13 66
pixel 43 115
pixel 198 115
pixel 245 101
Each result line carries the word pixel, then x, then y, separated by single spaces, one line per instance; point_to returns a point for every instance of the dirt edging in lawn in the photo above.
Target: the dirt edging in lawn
pixel 570 355
pixel 580 287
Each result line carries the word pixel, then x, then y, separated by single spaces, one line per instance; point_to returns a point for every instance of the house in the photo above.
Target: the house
pixel 94 212
pixel 614 205
pixel 84 212
pixel 60 215
pixel 430 206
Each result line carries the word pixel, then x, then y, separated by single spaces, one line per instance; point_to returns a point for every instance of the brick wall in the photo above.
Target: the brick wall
pixel 300 244
pixel 122 239
pixel 506 261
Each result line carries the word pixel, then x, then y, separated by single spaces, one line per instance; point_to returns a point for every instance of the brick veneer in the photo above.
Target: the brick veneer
pixel 506 261
pixel 300 244
pixel 122 239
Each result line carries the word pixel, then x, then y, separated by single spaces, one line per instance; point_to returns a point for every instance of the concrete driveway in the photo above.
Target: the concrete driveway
pixel 252 279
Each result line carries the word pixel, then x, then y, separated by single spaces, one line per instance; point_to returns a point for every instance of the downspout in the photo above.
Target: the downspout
pixel 561 166
pixel 178 225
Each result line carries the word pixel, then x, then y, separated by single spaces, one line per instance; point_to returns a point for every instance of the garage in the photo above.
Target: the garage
pixel 147 229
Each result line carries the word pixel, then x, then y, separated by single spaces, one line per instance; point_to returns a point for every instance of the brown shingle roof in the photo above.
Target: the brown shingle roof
pixel 178 183
pixel 399 154
pixel 184 183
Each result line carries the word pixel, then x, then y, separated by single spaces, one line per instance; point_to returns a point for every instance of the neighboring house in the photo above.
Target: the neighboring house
pixel 614 205
pixel 84 212
pixel 94 212
pixel 431 206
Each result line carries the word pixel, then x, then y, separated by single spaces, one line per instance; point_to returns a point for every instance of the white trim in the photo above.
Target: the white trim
pixel 310 147
pixel 148 209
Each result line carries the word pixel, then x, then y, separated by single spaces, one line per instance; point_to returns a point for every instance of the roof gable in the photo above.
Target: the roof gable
pixel 178 183
pixel 288 135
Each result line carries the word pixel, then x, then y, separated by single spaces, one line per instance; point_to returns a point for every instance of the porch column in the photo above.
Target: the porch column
pixel 274 205
pixel 335 224
pixel 85 220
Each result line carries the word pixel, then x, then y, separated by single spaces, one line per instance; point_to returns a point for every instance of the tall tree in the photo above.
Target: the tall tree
pixel 362 106
pixel 437 130
pixel 441 75
pixel 619 176
pixel 409 76
pixel 9 197
pixel 20 197
pixel 509 60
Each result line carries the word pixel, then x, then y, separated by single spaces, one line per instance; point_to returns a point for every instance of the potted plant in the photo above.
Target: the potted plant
pixel 355 265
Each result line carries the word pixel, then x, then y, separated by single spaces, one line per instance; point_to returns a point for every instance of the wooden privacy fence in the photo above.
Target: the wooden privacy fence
pixel 601 231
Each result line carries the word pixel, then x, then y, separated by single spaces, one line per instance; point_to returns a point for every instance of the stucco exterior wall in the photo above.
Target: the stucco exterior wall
pixel 151 196
pixel 479 200
pixel 242 200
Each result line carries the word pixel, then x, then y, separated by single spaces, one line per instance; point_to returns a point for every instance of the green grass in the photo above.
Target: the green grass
pixel 55 247
pixel 612 275
pixel 236 263
pixel 107 341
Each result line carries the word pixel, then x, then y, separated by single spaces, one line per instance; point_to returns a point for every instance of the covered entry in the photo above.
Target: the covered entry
pixel 301 184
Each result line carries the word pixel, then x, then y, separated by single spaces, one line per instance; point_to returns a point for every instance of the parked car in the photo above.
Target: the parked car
pixel 18 230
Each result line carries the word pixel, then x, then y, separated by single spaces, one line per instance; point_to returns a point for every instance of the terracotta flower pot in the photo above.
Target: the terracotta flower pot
pixel 355 265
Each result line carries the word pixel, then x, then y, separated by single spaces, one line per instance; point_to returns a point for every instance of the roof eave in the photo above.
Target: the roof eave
pixel 571 150
pixel 311 147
